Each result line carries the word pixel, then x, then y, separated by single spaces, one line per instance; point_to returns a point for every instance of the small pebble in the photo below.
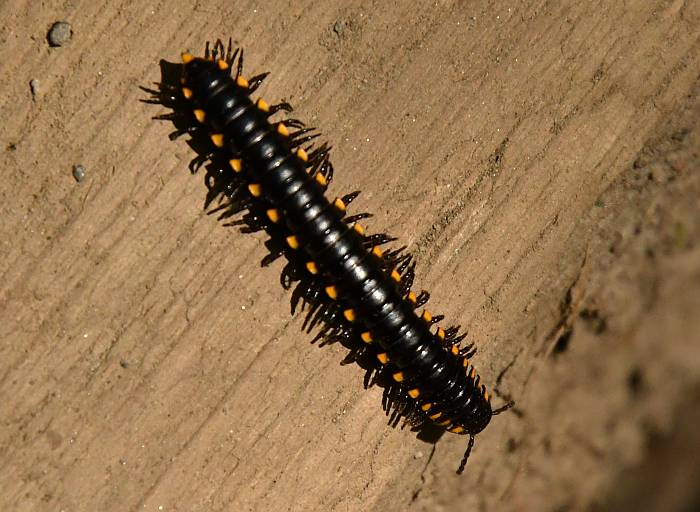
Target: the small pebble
pixel 79 173
pixel 59 33
pixel 34 86
pixel 339 27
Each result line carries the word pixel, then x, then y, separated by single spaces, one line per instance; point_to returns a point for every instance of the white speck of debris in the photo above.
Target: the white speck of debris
pixel 243 308
pixel 85 335
pixel 160 507
pixel 367 139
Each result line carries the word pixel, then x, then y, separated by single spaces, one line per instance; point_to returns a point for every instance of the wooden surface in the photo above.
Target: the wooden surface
pixel 540 159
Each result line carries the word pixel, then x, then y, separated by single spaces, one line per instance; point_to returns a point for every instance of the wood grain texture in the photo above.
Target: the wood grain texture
pixel 146 359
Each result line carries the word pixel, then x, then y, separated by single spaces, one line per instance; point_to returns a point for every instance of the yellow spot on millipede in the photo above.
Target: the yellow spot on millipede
pixel 383 358
pixel 255 189
pixel 426 316
pixel 293 242
pixel 339 204
pixel 349 315
pixel 357 227
pixel 412 297
pixel 396 276
pixel 274 215
pixel 242 82
pixel 435 416
pixel 187 92
pixel 426 407
pixel 398 376
pixel 262 105
pixel 217 139
pixel 366 337
pixel 236 164
pixel 223 65
pixel 414 393
pixel 200 115
pixel 282 130
pixel 311 267
pixel 457 430
pixel 187 58
pixel 321 180
pixel 302 155
pixel 332 292
pixel 377 251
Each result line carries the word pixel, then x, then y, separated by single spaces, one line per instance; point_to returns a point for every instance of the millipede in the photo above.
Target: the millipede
pixel 358 290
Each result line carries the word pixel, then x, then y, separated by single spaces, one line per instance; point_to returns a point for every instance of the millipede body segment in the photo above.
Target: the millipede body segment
pixel 357 290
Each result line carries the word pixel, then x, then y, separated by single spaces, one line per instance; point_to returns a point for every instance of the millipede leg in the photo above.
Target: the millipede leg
pixel 281 106
pixel 170 116
pixel 197 162
pixel 230 57
pixel 359 216
pixel 239 67
pixel 256 81
pixel 182 131
pixel 469 351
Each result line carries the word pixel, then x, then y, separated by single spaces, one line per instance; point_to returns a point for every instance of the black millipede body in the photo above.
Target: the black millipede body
pixel 358 293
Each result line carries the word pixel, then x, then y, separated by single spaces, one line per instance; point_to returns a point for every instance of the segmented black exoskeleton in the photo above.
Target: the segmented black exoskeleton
pixel 359 293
